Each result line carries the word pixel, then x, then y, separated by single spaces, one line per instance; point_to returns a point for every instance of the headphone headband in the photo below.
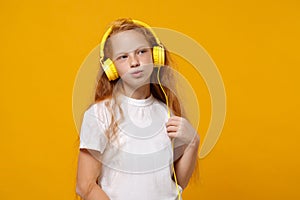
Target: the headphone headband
pixel 108 66
pixel 106 34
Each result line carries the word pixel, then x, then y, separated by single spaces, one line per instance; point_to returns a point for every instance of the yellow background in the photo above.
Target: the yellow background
pixel 255 45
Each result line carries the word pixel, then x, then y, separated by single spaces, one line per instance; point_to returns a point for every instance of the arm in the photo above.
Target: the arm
pixel 185 165
pixel 89 169
pixel 181 129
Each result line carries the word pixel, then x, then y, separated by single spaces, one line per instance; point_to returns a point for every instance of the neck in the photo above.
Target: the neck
pixel 139 93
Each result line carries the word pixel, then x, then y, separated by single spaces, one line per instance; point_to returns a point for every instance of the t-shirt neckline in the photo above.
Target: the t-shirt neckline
pixel 137 102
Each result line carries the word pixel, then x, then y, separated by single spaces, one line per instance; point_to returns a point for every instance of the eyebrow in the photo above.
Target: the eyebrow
pixel 141 47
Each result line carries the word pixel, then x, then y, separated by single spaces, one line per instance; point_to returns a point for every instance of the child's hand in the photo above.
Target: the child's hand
pixel 180 128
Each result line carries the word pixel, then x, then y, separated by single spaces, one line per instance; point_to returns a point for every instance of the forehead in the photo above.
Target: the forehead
pixel 127 41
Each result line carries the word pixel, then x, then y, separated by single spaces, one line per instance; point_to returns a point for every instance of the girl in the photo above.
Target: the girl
pixel 130 146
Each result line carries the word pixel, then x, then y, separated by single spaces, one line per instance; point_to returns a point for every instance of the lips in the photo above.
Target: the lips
pixel 136 72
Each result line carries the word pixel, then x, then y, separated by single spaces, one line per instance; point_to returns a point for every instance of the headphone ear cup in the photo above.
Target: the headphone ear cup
pixel 110 70
pixel 159 55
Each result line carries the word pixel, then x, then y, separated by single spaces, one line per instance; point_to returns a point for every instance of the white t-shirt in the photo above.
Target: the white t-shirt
pixel 137 164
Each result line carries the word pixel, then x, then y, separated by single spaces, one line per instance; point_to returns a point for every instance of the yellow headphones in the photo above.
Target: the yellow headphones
pixel 108 66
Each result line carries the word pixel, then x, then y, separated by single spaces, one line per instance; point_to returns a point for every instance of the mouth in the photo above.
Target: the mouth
pixel 137 72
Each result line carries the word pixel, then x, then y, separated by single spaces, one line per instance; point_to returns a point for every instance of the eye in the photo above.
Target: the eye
pixel 142 51
pixel 122 57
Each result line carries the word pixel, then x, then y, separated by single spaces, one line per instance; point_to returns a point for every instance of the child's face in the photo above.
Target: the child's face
pixel 132 56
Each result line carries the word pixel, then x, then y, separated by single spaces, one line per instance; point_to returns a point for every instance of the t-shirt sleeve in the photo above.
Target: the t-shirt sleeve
pixel 92 132
pixel 179 148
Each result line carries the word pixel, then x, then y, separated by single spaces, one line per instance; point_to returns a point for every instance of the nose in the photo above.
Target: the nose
pixel 134 62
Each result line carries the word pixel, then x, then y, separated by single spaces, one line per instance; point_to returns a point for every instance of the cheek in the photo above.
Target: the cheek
pixel 148 69
pixel 122 69
pixel 147 59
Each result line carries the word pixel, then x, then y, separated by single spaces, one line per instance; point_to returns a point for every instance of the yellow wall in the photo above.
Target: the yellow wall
pixel 255 45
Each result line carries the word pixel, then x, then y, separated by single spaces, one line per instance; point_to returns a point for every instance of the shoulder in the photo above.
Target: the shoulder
pixel 100 110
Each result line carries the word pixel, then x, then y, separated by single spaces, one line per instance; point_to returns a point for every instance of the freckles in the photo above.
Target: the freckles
pixel 122 68
pixel 121 72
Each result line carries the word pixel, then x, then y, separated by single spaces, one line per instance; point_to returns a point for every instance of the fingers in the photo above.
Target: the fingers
pixel 172 134
pixel 173 124
pixel 174 121
pixel 175 118
pixel 171 128
pixel 178 127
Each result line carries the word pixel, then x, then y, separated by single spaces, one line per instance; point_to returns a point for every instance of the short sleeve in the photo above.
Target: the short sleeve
pixel 92 132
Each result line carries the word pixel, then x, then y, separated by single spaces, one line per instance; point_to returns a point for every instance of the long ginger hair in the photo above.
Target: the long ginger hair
pixel 105 88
